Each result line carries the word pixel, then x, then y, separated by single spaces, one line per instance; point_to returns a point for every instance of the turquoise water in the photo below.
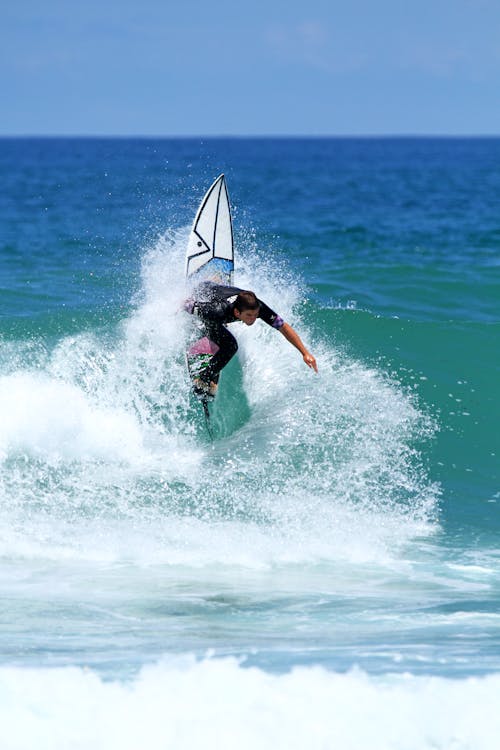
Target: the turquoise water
pixel 326 572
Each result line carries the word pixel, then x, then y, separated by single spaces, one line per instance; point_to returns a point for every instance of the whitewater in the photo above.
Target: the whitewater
pixel 296 582
pixel 178 591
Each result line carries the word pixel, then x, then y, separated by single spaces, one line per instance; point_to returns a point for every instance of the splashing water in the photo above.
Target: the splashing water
pixel 103 430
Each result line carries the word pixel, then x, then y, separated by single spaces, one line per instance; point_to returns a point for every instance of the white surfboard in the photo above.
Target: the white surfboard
pixel 210 251
pixel 209 257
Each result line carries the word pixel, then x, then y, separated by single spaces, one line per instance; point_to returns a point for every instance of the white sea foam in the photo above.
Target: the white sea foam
pixel 116 508
pixel 103 432
pixel 46 417
pixel 183 704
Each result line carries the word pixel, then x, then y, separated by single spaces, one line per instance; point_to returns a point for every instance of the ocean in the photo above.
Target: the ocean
pixel 325 572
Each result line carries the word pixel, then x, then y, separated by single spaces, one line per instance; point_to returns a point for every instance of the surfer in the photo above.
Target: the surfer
pixel 216 306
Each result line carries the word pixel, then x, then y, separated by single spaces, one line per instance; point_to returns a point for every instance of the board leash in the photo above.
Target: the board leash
pixel 207 418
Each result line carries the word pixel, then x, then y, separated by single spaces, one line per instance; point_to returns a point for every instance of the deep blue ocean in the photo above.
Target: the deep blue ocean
pixel 325 573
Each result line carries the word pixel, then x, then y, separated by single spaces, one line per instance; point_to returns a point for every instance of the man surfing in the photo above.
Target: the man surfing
pixel 217 306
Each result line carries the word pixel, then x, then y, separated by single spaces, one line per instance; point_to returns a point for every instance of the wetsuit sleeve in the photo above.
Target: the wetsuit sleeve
pixel 224 292
pixel 269 316
pixel 214 311
pixel 210 301
pixel 204 310
pixel 207 291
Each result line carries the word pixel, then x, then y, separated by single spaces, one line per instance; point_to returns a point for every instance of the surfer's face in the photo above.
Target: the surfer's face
pixel 247 316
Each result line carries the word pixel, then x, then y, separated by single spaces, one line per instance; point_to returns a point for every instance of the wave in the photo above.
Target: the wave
pixel 101 427
pixel 451 367
pixel 183 703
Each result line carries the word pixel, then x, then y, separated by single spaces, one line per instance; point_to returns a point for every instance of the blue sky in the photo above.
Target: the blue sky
pixel 191 67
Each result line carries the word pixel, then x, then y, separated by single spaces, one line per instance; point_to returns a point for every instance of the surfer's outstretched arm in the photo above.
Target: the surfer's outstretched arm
pixel 294 338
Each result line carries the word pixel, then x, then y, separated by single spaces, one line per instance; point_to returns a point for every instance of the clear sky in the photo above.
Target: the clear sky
pixel 263 67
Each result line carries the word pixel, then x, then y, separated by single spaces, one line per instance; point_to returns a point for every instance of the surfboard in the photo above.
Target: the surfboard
pixel 209 257
pixel 210 250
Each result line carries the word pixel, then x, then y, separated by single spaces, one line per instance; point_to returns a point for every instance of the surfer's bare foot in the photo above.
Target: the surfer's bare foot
pixel 203 387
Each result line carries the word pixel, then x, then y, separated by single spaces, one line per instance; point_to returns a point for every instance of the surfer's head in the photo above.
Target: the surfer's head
pixel 246 307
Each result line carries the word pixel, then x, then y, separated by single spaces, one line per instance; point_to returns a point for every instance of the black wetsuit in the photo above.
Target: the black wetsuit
pixel 214 305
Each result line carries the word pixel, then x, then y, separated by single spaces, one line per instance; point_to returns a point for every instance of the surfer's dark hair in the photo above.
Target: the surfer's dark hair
pixel 246 301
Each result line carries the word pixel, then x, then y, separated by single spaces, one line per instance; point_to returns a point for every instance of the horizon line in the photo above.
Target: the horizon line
pixel 248 136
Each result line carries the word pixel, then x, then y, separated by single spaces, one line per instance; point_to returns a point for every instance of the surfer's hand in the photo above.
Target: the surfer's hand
pixel 293 337
pixel 310 361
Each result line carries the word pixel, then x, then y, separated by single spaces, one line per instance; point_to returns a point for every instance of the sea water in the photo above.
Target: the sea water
pixel 325 572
